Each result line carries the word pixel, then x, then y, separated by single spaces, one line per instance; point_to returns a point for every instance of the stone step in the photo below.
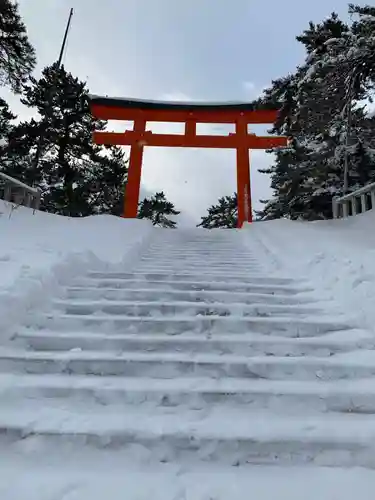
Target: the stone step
pixel 243 344
pixel 224 259
pixel 191 435
pixel 212 252
pixel 192 259
pixel 183 266
pixel 209 255
pixel 220 271
pixel 194 296
pixel 174 308
pixel 231 257
pixel 284 326
pixel 198 285
pixel 171 365
pixel 181 276
pixel 281 396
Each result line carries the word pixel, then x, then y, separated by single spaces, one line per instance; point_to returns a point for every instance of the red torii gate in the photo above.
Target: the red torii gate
pixel 140 112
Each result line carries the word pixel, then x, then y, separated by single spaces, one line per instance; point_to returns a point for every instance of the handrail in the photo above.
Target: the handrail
pixel 28 195
pixel 350 201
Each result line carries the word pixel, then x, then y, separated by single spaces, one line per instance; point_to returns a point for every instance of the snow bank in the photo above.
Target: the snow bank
pixel 38 251
pixel 336 256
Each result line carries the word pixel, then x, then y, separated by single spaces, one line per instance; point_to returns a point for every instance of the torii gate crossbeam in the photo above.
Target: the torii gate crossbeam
pixel 141 112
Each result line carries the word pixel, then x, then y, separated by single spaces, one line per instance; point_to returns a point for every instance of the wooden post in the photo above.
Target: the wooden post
pixel 335 208
pixel 373 200
pixel 345 208
pixel 363 202
pixel 243 175
pixel 28 199
pixel 8 192
pixel 133 185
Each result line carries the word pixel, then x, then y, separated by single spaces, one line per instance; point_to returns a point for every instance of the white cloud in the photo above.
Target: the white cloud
pixel 249 87
pixel 252 90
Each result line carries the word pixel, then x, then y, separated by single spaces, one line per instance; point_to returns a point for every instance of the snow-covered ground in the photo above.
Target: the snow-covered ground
pixel 38 251
pixel 337 256
pixel 281 372
pixel 85 477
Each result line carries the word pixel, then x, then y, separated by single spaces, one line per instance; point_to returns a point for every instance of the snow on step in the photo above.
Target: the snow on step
pixel 173 308
pixel 169 365
pixel 195 276
pixel 186 276
pixel 258 437
pixel 176 325
pixel 188 284
pixel 194 354
pixel 200 296
pixel 215 260
pixel 211 271
pixel 94 475
pixel 245 344
pixel 283 396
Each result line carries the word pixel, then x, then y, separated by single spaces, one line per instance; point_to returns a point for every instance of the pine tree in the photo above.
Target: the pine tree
pixel 288 175
pixel 362 163
pixel 307 175
pixel 77 177
pixel 157 209
pixel 17 56
pixel 6 125
pixel 340 72
pixel 351 55
pixel 222 215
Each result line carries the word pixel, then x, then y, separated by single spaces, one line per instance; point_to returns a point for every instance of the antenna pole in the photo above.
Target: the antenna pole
pixel 38 152
pixel 65 38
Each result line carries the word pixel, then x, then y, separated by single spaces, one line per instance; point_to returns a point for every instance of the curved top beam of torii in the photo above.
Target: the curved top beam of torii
pixel 124 108
pixel 126 102
pixel 190 113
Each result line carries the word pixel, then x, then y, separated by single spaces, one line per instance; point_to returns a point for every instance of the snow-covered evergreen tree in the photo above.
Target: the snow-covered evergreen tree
pixel 351 56
pixel 159 210
pixel 6 126
pixel 308 174
pixel 17 56
pixel 76 176
pixel 222 215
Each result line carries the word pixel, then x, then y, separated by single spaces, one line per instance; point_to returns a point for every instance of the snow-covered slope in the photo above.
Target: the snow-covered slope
pixel 38 251
pixel 182 364
pixel 337 257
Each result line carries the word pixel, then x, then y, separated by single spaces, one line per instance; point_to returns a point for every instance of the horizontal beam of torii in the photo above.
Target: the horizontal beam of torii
pixel 141 112
pixel 189 140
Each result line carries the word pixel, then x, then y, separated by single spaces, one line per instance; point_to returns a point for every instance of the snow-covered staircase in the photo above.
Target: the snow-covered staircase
pixel 194 355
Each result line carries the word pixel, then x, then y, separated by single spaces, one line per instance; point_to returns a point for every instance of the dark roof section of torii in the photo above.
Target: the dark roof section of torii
pixel 127 103
pixel 118 108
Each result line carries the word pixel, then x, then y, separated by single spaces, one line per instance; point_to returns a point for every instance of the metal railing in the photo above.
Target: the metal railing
pixel 358 201
pixel 15 191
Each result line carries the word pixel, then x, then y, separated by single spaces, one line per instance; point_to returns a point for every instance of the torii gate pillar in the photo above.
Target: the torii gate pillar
pixel 133 186
pixel 245 211
pixel 140 112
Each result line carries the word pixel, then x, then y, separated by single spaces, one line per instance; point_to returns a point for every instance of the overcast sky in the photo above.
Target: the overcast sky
pixel 214 50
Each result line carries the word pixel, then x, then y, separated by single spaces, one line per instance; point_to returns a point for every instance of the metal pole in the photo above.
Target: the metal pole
pixel 38 151
pixel 348 135
pixel 347 144
pixel 65 38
